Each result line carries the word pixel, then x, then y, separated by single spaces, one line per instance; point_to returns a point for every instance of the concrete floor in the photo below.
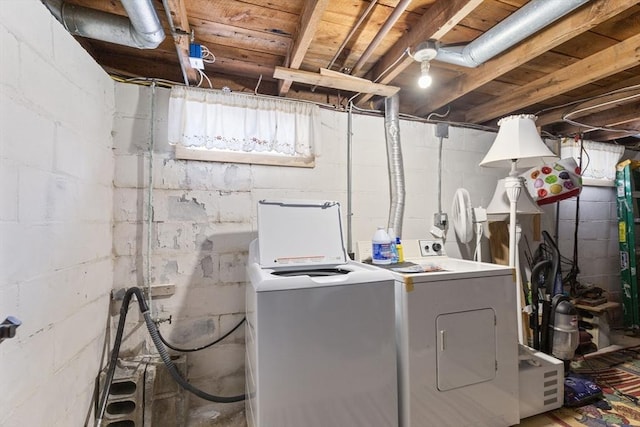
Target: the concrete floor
pixel 218 415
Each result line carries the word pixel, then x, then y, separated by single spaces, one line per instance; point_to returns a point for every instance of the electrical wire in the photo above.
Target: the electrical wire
pixel 393 64
pixel 440 179
pixel 207 56
pixel 203 75
pixel 191 350
pixel 255 91
pixel 571 278
pixel 583 100
pixel 445 114
pixel 145 81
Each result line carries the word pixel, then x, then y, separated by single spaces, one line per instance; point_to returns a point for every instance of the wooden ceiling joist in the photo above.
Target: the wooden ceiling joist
pixel 604 135
pixel 612 118
pixel 607 62
pixel 309 21
pixel 331 80
pixel 178 12
pixel 574 24
pixel 595 105
pixel 437 21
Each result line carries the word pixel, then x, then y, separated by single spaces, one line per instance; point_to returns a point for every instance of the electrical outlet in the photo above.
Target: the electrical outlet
pixel 431 247
pixel 440 220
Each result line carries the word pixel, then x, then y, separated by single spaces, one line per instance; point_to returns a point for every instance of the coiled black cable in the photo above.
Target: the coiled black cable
pixel 164 355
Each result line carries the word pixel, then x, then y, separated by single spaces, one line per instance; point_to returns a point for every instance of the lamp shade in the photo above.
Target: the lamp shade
pixel 518 140
pixel 499 206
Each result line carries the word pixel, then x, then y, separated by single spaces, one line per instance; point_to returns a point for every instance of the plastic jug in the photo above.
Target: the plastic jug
pixel 381 247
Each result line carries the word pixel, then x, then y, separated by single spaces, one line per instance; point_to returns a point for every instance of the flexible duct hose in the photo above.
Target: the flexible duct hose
pixel 394 161
pixel 162 350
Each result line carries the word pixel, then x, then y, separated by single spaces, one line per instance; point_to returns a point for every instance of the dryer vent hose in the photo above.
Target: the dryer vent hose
pixel 162 350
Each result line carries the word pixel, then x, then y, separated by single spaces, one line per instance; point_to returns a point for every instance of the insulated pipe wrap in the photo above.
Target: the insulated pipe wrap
pixel 394 161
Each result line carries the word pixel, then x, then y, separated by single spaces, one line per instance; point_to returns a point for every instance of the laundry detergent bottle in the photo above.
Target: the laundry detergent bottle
pixel 381 247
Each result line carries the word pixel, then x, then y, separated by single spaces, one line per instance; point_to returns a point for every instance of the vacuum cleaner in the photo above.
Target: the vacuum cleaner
pixel 555 330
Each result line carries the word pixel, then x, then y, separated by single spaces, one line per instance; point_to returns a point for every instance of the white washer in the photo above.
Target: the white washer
pixel 321 336
pixel 457 340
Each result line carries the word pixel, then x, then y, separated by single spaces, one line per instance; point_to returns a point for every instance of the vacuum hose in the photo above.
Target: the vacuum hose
pixel 164 355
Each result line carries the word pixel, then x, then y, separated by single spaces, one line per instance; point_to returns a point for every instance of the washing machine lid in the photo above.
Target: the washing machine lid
pixel 300 233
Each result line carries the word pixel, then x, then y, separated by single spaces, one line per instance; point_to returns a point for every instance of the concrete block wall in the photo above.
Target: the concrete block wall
pixel 56 168
pixel 598 253
pixel 204 215
pixel 62 193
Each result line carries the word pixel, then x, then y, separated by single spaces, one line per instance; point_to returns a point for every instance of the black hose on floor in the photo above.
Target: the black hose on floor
pixel 166 358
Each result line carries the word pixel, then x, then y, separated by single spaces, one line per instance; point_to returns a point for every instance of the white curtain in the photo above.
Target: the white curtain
pixel 219 120
pixel 599 161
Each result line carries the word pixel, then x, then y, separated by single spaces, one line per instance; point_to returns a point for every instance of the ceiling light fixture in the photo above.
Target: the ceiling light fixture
pixel 424 53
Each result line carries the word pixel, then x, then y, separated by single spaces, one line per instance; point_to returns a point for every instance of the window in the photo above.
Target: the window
pixel 598 162
pixel 229 127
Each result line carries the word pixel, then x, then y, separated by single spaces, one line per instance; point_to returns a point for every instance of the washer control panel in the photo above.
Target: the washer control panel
pixel 431 247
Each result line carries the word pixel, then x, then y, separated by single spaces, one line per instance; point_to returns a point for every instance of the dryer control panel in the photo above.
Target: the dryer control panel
pixel 431 247
pixel 414 249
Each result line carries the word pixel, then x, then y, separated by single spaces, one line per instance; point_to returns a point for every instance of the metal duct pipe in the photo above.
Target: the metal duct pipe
pixel 527 20
pixel 394 161
pixel 142 29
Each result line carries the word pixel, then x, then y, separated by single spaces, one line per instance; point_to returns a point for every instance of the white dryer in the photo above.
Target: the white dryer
pixel 457 339
pixel 320 339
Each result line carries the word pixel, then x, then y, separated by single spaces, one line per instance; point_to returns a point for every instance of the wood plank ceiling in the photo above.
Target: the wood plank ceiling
pixel 579 75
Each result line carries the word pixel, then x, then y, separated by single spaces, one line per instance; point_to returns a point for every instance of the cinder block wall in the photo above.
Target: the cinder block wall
pixel 56 168
pixel 598 253
pixel 204 215
pixel 56 238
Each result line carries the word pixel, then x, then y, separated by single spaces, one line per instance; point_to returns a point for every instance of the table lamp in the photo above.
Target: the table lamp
pixel 517 145
pixel 498 210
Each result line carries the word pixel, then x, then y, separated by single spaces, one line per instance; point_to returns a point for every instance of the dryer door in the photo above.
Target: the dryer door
pixel 466 348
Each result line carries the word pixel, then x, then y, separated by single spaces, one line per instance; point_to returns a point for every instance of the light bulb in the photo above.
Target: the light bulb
pixel 425 81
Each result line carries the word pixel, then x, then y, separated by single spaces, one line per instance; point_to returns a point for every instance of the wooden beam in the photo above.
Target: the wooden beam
pixel 614 59
pixel 309 21
pixel 437 21
pixel 616 117
pixel 593 106
pixel 603 135
pixel 178 12
pixel 339 82
pixel 561 31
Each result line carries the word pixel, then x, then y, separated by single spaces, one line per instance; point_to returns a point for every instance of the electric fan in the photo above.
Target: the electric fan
pixel 464 217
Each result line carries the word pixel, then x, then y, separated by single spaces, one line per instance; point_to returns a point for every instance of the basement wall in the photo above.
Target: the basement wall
pixel 56 168
pixel 58 207
pixel 598 251
pixel 204 216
